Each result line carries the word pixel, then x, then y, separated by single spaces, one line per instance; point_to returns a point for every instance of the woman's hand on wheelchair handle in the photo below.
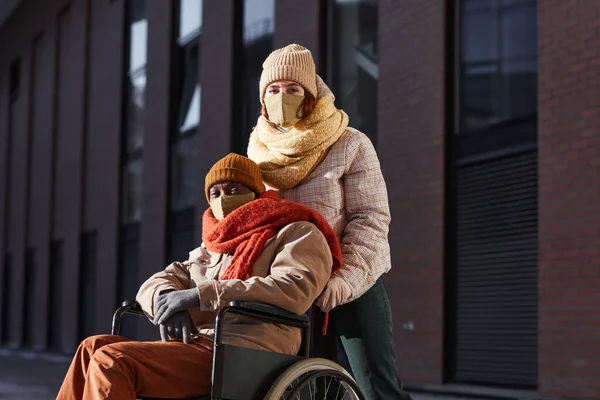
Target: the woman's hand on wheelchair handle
pixel 170 303
pixel 337 292
pixel 176 327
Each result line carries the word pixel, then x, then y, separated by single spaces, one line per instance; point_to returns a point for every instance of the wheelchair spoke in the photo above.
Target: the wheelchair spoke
pixel 327 386
pixel 315 379
pixel 318 386
pixel 338 391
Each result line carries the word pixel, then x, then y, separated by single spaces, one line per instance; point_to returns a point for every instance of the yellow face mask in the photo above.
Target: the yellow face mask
pixel 227 203
pixel 284 109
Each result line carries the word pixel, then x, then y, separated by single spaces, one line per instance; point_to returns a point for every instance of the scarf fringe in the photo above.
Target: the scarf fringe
pixel 325 324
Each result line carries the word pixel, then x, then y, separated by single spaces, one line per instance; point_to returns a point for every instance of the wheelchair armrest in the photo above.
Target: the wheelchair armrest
pixel 127 307
pixel 270 310
pixel 132 307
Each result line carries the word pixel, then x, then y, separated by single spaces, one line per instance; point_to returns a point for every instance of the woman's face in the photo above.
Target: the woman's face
pixel 289 87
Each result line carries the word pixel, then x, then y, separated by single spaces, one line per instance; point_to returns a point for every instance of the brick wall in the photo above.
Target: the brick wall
pixel 411 149
pixel 569 212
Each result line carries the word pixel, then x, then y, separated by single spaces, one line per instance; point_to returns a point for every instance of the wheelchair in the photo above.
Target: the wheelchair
pixel 273 376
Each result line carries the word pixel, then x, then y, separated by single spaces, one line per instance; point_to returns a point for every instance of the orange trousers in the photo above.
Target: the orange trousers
pixel 113 367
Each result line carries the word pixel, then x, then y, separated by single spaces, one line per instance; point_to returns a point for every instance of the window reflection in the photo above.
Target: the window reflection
pixel 183 173
pixel 134 111
pixel 190 19
pixel 132 193
pixel 192 117
pixel 353 61
pixel 498 61
pixel 189 107
pixel 136 76
pixel 189 93
pixel 257 37
pixel 259 20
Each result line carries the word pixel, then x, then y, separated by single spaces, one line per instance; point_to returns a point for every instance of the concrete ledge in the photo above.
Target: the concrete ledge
pixel 471 391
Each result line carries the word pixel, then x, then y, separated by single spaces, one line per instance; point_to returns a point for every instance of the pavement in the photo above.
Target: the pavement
pixel 31 376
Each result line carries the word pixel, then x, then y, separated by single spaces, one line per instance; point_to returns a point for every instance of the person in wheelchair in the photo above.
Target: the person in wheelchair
pixel 256 247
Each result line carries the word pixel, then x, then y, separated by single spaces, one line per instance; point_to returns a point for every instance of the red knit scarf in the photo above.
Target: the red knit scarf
pixel 246 231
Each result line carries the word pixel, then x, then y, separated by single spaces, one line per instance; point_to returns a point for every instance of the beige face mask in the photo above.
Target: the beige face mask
pixel 227 203
pixel 284 109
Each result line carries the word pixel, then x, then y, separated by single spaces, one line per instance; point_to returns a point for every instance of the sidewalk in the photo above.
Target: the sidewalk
pixel 30 376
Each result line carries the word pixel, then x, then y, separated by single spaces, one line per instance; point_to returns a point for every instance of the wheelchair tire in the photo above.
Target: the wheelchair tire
pixel 302 372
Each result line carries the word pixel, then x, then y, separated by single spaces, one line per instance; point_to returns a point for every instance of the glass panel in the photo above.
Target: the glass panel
pixel 189 108
pixel 184 174
pixel 184 142
pixel 259 20
pixel 498 61
pixel 132 191
pixel 15 79
pixel 354 61
pixel 138 34
pixel 136 76
pixel 259 25
pixel 190 19
pixel 136 94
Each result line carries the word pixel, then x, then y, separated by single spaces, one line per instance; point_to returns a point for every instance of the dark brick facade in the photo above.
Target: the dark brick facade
pixel 569 185
pixel 411 149
pixel 61 155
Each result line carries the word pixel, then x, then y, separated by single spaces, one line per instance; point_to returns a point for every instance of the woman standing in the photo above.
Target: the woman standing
pixel 307 152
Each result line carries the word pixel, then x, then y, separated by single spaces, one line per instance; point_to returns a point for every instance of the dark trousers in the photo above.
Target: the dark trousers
pixel 364 329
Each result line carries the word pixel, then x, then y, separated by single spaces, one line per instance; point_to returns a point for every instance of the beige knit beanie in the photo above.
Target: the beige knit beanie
pixel 293 63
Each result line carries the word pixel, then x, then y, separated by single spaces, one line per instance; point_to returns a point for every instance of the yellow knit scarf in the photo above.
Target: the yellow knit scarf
pixel 286 158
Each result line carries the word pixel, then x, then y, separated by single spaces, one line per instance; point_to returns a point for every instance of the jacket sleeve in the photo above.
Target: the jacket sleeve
pixel 175 277
pixel 365 245
pixel 299 271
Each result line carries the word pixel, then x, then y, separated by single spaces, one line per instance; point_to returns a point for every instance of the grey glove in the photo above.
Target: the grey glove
pixel 178 326
pixel 170 303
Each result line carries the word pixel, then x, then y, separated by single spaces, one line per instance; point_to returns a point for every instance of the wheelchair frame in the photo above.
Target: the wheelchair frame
pixel 232 363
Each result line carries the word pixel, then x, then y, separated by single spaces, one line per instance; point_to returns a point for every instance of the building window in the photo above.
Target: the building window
pixel 88 262
pixel 57 257
pixel 492 193
pixel 135 94
pixel 28 301
pixel 15 80
pixel 7 294
pixel 353 60
pixel 128 283
pixel 188 95
pixel 258 26
pixel 497 61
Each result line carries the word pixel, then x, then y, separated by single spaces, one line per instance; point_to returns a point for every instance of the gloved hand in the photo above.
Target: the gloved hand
pixel 169 303
pixel 178 326
pixel 337 292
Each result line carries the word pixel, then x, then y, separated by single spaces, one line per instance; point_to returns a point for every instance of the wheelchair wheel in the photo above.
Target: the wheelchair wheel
pixel 315 379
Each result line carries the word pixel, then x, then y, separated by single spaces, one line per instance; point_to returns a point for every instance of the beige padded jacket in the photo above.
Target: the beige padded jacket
pixel 290 273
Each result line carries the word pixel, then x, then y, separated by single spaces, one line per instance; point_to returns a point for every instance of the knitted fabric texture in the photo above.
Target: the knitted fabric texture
pixel 290 63
pixel 246 231
pixel 286 158
pixel 235 168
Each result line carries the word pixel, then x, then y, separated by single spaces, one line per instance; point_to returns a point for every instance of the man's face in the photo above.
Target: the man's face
pixel 227 188
pixel 226 197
